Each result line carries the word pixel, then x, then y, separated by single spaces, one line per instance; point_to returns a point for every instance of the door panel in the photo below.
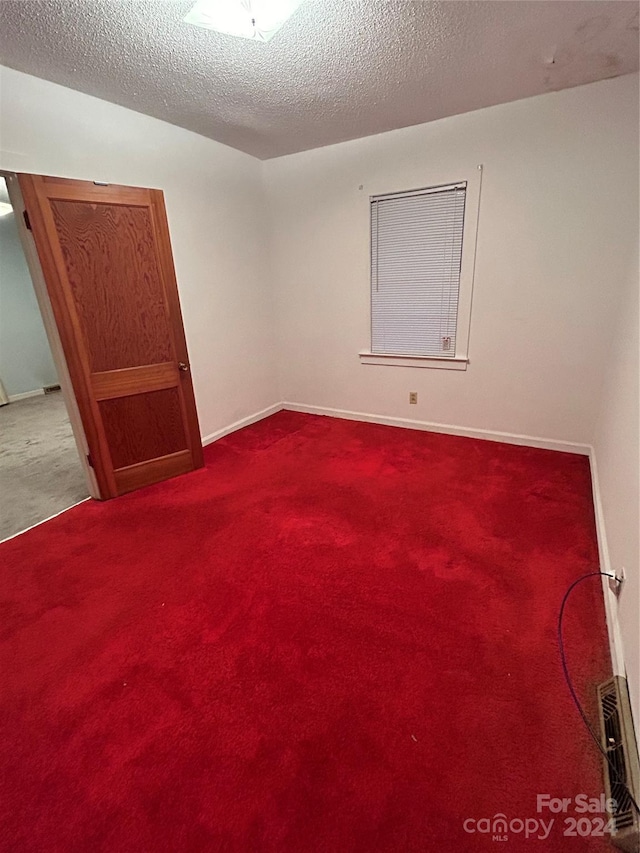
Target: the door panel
pixel 106 258
pixel 104 246
pixel 140 427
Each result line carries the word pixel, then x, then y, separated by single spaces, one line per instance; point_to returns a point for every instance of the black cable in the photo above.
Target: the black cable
pixel 574 696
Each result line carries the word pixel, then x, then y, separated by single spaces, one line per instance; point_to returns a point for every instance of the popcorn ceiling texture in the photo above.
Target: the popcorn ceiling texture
pixel 338 69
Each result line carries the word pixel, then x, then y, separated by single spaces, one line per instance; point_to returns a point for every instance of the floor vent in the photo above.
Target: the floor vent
pixel 618 738
pixel 49 389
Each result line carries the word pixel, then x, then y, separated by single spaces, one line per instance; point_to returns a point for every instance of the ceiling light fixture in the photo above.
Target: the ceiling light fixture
pixel 259 20
pixel 5 208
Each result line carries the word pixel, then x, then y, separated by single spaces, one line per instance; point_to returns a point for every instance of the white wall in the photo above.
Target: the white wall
pixel 556 222
pixel 25 357
pixel 617 450
pixel 214 204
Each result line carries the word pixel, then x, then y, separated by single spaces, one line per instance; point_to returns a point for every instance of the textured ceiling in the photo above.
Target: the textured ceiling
pixel 338 69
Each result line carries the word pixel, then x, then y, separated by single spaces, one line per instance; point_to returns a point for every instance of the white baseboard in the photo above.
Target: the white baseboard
pixel 243 422
pixel 15 397
pixel 616 646
pixel 448 429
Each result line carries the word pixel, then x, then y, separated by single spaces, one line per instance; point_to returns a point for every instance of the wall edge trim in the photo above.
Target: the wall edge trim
pixel 448 429
pixel 243 422
pixel 24 395
pixel 616 646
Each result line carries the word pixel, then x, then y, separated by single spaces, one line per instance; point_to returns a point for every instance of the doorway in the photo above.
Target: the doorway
pixel 102 268
pixel 41 473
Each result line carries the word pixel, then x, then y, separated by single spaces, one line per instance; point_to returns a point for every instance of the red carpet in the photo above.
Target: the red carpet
pixel 337 637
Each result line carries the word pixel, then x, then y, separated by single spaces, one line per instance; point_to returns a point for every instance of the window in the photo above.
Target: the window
pixel 422 260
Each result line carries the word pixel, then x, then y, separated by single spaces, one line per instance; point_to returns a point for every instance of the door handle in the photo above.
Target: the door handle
pixel 183 366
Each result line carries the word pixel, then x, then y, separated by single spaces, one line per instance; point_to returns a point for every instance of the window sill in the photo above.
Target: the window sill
pixel 455 363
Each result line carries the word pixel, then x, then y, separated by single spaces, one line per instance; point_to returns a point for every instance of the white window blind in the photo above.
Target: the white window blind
pixel 416 252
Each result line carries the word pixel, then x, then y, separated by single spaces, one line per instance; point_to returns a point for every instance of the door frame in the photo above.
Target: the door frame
pixel 51 329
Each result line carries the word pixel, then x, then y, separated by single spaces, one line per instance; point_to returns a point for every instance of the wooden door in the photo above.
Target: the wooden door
pixel 106 258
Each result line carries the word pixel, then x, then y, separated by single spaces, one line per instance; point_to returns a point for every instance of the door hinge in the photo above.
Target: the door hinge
pixel 27 221
pixel 89 460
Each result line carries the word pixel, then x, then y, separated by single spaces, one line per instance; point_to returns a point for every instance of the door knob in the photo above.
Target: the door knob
pixel 183 366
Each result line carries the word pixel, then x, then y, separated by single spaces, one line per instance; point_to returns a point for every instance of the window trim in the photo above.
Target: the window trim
pixel 448 363
pixel 459 361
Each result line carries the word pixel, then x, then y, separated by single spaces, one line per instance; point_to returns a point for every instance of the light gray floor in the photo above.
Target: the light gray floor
pixel 40 471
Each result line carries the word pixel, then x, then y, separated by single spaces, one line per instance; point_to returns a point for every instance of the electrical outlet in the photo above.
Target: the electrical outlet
pixel 413 397
pixel 616 583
